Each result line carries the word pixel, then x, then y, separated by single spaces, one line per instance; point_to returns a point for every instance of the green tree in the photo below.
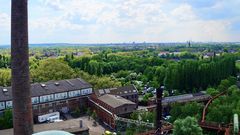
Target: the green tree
pixel 6 120
pixel 98 82
pixel 94 115
pixel 222 109
pixel 212 91
pixel 5 77
pixel 192 109
pixel 187 126
pixel 51 69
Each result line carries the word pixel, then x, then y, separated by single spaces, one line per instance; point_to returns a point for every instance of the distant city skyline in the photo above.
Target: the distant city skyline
pixel 118 21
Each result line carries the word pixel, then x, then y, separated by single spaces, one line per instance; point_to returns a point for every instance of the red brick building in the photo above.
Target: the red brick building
pixel 128 92
pixel 107 105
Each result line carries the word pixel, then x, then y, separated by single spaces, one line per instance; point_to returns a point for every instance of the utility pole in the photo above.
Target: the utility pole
pixel 22 105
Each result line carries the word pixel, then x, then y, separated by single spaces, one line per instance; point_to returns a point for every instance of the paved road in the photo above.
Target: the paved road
pixel 98 130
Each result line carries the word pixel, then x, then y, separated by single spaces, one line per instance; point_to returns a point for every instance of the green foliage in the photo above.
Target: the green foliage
pixel 221 110
pixel 98 82
pixel 4 61
pixel 165 93
pixel 212 91
pixel 6 119
pixel 94 115
pixel 5 77
pixel 144 116
pixel 89 112
pixel 51 69
pixel 189 74
pixel 226 83
pixel 147 96
pixel 238 65
pixel 187 126
pixel 76 112
pixel 180 111
pixel 141 116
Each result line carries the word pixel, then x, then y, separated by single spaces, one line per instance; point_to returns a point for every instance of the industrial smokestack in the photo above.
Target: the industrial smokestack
pixel 159 110
pixel 22 104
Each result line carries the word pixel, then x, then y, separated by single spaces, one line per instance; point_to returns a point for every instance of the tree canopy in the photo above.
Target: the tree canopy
pixel 187 126
pixel 51 69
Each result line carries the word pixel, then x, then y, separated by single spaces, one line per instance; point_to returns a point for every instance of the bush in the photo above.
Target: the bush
pixel 6 120
pixel 76 113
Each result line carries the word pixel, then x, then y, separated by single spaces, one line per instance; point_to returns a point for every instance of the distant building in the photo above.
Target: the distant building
pixel 62 96
pixel 78 53
pixel 163 54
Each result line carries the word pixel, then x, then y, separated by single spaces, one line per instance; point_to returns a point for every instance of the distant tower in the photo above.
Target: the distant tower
pixel 22 105
pixel 189 43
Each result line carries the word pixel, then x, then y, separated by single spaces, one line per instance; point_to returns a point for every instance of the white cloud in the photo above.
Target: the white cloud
pixel 184 13
pixel 121 21
pixel 128 20
pixel 51 24
pixel 4 20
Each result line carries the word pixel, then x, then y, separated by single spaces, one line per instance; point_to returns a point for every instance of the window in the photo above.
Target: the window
pixel 74 93
pixel 50 104
pixel 125 109
pixel 90 91
pixel 2 105
pixel 86 91
pixel 61 95
pixel 35 107
pixel 9 104
pixel 35 100
pixel 51 97
pixel 43 106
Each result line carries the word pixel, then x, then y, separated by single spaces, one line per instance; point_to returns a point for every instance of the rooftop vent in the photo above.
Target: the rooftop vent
pixel 5 90
pixel 43 85
pixel 57 84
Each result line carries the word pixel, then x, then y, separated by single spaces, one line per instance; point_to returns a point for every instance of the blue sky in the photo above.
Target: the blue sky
pixel 111 21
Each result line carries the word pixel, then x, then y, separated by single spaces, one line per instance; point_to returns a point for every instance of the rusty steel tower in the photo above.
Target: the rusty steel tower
pixel 22 105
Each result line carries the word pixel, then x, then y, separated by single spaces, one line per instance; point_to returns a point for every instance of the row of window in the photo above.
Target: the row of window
pixel 52 97
pixel 8 105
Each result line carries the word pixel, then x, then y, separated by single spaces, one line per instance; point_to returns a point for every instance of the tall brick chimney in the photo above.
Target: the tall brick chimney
pixel 159 110
pixel 22 105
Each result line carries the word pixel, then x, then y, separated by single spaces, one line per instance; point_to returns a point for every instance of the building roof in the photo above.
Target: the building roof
pixel 39 89
pixel 115 101
pixel 125 90
pixel 186 98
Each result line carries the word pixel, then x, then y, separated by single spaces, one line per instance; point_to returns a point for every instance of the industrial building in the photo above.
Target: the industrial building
pixel 108 103
pixel 62 96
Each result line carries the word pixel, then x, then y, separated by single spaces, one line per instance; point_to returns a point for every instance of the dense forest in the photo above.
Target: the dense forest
pixel 186 75
pixel 185 72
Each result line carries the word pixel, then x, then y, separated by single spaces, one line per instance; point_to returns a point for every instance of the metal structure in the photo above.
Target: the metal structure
pixel 208 103
pixel 213 125
pixel 137 122
pixel 22 105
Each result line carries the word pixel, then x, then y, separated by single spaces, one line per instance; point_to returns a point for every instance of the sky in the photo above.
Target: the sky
pixel 126 21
